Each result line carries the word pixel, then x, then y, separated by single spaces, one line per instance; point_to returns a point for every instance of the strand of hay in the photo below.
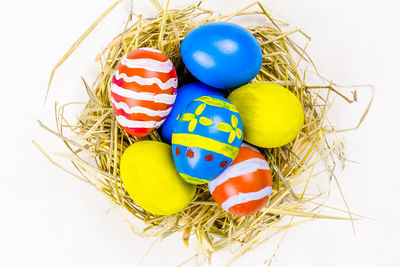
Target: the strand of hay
pixel 98 142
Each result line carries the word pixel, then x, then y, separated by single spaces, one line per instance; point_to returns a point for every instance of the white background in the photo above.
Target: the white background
pixel 51 219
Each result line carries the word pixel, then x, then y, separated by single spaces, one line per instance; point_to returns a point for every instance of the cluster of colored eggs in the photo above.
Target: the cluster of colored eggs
pixel 204 128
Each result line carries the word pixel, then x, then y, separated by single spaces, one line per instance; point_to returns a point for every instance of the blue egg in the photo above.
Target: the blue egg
pixel 206 139
pixel 222 55
pixel 185 94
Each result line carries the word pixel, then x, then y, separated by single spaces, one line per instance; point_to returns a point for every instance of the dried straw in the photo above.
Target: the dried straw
pixel 98 142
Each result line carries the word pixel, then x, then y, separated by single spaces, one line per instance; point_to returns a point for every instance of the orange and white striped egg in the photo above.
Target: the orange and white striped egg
pixel 246 185
pixel 143 90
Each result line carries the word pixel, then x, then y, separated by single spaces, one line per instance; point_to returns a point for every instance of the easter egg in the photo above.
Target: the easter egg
pixel 246 185
pixel 184 95
pixel 272 115
pixel 206 138
pixel 222 55
pixel 149 176
pixel 143 90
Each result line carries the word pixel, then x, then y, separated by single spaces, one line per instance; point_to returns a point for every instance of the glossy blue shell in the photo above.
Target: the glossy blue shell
pixel 207 135
pixel 222 55
pixel 185 94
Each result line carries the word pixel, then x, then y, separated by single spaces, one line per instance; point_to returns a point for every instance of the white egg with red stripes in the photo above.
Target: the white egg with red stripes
pixel 143 90
pixel 246 185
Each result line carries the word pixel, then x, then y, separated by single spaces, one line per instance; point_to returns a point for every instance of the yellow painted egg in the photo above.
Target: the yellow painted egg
pixel 149 175
pixel 272 115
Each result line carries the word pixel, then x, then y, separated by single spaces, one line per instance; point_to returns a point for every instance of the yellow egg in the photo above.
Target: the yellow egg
pixel 272 115
pixel 149 175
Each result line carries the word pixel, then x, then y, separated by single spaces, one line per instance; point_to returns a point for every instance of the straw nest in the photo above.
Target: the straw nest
pixel 96 141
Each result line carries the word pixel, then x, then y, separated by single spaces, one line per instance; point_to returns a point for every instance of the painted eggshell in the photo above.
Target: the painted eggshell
pixel 143 90
pixel 149 176
pixel 245 186
pixel 206 139
pixel 185 94
pixel 222 55
pixel 272 115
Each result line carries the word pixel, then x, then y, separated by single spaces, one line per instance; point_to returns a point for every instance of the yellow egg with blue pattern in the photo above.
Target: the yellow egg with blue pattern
pixel 206 138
